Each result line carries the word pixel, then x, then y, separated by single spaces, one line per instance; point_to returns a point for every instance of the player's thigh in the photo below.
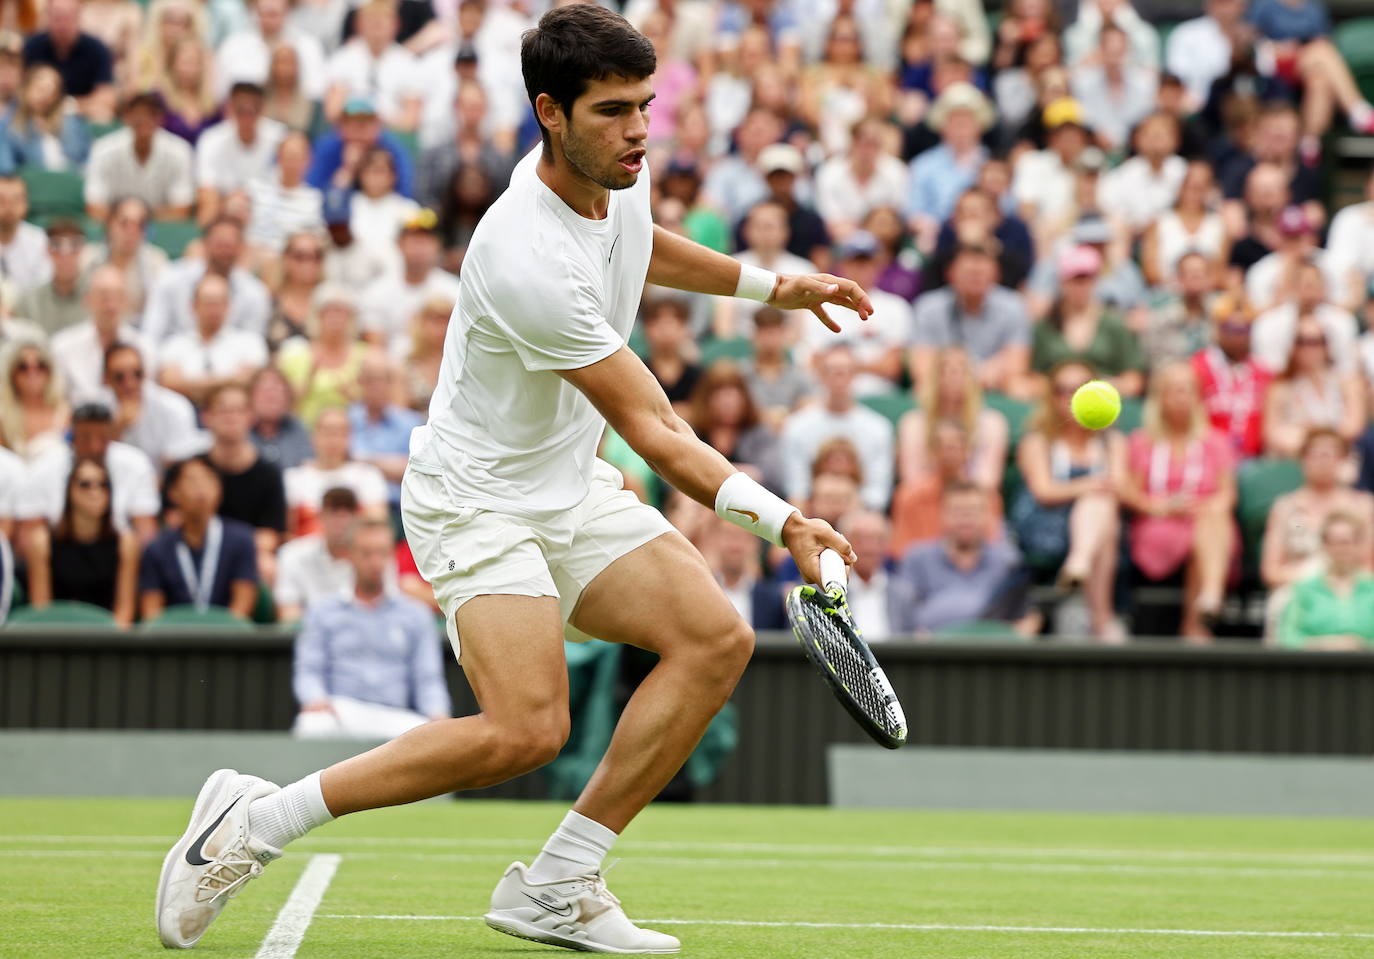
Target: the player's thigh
pixel 513 658
pixel 661 596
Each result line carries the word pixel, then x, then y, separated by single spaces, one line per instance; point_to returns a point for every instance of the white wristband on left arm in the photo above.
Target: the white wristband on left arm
pixel 744 502
pixel 755 283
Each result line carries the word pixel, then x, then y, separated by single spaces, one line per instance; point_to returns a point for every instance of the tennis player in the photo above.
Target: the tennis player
pixel 525 534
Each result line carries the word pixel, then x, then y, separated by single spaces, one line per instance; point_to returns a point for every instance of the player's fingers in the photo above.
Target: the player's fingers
pixel 825 318
pixel 851 295
pixel 833 540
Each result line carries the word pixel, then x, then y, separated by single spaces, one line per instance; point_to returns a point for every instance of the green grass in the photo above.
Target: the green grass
pixel 78 878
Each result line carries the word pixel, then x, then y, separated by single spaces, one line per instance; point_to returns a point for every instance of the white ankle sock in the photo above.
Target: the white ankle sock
pixel 576 848
pixel 290 813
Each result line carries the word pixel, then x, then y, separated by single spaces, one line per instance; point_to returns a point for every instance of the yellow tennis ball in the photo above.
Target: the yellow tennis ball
pixel 1096 405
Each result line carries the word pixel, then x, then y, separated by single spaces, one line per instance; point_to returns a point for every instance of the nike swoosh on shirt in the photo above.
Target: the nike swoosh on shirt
pixel 194 855
pixel 564 910
pixel 753 517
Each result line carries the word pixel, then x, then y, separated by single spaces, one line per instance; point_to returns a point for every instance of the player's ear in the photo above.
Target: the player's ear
pixel 550 113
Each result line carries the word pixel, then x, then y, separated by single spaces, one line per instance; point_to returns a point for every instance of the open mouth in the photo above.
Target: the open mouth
pixel 633 161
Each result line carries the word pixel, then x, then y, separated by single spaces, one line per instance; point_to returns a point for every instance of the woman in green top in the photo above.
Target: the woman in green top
pixel 1078 328
pixel 1335 610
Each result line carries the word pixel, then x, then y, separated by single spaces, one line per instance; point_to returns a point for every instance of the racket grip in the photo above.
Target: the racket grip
pixel 833 570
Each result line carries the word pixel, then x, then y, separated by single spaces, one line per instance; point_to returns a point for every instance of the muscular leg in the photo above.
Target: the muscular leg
pixel 663 598
pixel 513 659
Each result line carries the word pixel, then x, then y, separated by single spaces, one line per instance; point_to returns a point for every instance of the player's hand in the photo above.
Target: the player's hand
pixel 805 538
pixel 811 291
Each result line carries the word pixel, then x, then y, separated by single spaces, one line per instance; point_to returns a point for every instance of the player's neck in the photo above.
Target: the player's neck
pixel 587 199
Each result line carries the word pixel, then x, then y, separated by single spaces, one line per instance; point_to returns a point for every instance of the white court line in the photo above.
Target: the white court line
pixel 931 927
pixel 803 850
pixel 285 936
pixel 744 862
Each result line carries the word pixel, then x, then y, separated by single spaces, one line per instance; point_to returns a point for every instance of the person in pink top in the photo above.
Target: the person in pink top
pixel 1179 482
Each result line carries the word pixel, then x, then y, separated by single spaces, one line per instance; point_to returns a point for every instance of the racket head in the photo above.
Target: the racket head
pixel 822 626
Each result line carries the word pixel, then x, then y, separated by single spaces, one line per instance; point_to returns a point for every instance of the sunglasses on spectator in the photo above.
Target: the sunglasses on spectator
pixel 88 484
pixel 306 254
pixel 121 376
pixel 68 245
pixel 33 366
pixel 1310 341
pixel 1232 327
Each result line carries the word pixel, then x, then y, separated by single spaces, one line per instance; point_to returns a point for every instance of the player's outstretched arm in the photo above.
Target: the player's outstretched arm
pixel 683 264
pixel 626 393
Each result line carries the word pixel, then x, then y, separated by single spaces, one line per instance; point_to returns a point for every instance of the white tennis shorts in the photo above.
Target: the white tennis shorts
pixel 467 551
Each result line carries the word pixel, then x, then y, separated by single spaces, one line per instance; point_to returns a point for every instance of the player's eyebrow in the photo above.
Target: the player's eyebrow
pixel 603 104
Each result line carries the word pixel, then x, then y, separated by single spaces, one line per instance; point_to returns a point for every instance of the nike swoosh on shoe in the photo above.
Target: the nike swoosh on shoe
pixel 194 853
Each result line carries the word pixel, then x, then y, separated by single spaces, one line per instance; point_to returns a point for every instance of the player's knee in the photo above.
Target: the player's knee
pixel 535 742
pixel 732 649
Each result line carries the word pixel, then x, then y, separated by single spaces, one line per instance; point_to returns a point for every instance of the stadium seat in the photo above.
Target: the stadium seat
pixel 1132 414
pixel 891 405
pixel 737 349
pixel 1014 410
pixel 54 193
pixel 62 613
pixel 182 618
pixel 1355 40
pixel 1258 484
pixel 980 631
pixel 173 236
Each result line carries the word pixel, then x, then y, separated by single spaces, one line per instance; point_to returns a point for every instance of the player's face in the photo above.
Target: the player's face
pixel 604 138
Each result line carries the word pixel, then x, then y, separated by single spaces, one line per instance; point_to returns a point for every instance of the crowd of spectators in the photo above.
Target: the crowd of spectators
pixel 213 353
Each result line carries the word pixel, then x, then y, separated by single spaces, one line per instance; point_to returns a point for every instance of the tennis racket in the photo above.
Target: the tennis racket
pixel 821 622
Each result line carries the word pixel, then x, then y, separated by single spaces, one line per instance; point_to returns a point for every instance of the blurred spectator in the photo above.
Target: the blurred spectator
pixel 961 577
pixel 380 427
pixel 141 159
pixel 977 217
pixel 86 66
pixel 869 587
pixel 390 303
pixel 1199 50
pixel 323 371
pixel 973 312
pixel 734 559
pixel 1276 328
pixel 11 71
pixel 1311 393
pixel 284 98
pixel 1351 246
pixel 33 408
pixel 115 23
pixel 1252 222
pixel 283 203
pixel 420 366
pixel 372 64
pixel 204 561
pixel 187 91
pixel 1276 278
pixel 126 248
pixel 84 558
pixel 838 414
pixel 723 415
pixel 369 663
pixel 170 308
pixel 1115 90
pixel 1143 188
pixel 471 145
pixel 1177 477
pixel 1180 318
pixel 377 213
pixel 833 495
pixel 248 55
pixel 842 88
pixel 941 174
pixel 1082 38
pixel 467 197
pixel 1119 283
pixel 252 489
pixel 898 262
pixel 44 134
pixel 280 437
pixel 311 568
pixel 331 467
pixel 1275 141
pixel 952 392
pixel 1028 53
pixel 734 183
pixel 233 153
pixel 681 181
pixel 1331 610
pixel 338 152
pixel 1365 454
pixel 851 185
pixel 23 245
pixel 215 353
pixel 80 350
pixel 152 418
pixel 167 23
pixel 136 504
pixel 1066 514
pixel 302 272
pixel 1234 382
pixel 1044 179
pixel 11 482
pixel 1190 226
pixel 667 337
pixel 765 237
pixel 808 236
pixel 776 385
pixel 675 79
pixel 916 512
pixel 1080 328
pixel 59 302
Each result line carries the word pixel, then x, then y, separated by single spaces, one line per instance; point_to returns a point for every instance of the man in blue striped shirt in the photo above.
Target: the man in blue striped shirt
pixel 369 662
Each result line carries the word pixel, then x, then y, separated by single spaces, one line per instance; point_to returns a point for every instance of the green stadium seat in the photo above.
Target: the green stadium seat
pixel 1355 40
pixel 980 631
pixel 182 618
pixel 409 140
pixel 173 236
pixel 891 405
pixel 1014 410
pixel 265 609
pixel 1132 414
pixel 736 349
pixel 62 613
pixel 1258 484
pixel 54 193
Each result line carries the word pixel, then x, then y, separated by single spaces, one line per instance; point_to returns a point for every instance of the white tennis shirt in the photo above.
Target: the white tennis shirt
pixel 543 289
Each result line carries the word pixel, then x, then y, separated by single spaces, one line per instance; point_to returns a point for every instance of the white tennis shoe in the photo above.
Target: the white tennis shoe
pixel 579 913
pixel 213 860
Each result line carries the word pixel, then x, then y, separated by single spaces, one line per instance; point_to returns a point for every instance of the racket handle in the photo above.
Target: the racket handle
pixel 833 570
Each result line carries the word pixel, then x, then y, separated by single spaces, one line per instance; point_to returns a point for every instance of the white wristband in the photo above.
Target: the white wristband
pixel 745 503
pixel 755 283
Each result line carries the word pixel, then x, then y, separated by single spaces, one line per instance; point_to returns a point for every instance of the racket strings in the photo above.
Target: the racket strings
pixel 851 668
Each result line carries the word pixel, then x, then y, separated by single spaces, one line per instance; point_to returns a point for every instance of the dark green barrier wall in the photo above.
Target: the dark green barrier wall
pixel 1149 697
